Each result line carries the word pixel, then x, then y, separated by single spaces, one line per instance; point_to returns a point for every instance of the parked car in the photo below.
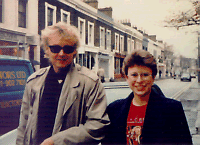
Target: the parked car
pixel 186 77
pixel 14 72
pixel 193 75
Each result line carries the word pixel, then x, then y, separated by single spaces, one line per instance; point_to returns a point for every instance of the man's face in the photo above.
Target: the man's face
pixel 63 58
pixel 140 80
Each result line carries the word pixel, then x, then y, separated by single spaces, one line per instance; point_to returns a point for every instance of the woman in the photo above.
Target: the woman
pixel 146 116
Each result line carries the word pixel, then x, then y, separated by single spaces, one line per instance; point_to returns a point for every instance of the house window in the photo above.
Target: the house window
pixel 50 14
pixel 81 27
pixel 132 45
pixel 49 17
pixel 155 53
pixel 117 42
pixel 22 13
pixel 121 43
pixel 102 37
pixel 1 11
pixel 65 16
pixel 128 45
pixel 108 39
pixel 90 33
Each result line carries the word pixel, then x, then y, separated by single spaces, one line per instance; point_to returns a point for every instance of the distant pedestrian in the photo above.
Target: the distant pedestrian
pixel 101 74
pixel 63 104
pixel 146 116
pixel 160 73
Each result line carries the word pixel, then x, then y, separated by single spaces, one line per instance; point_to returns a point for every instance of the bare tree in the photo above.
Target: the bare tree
pixel 189 17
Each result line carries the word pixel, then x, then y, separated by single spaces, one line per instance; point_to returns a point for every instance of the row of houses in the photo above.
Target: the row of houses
pixel 104 41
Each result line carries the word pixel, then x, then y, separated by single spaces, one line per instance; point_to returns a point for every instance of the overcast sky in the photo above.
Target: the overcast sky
pixel 148 15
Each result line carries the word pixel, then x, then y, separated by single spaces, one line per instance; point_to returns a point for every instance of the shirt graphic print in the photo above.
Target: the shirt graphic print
pixel 135 122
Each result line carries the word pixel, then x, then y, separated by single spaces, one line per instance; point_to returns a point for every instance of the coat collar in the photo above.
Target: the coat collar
pixel 155 96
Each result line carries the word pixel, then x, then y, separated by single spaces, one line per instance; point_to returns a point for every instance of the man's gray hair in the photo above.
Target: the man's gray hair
pixel 67 31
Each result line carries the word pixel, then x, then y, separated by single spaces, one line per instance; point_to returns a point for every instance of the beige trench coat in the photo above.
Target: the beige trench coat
pixel 82 102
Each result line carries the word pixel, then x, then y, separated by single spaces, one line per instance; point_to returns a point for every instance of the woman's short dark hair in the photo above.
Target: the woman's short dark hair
pixel 140 58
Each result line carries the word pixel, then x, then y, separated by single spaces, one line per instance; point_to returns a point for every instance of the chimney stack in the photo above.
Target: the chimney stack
pixel 92 3
pixel 152 37
pixel 107 11
pixel 126 22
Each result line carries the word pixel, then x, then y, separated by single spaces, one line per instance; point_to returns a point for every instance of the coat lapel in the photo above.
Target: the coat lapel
pixel 69 92
pixel 67 96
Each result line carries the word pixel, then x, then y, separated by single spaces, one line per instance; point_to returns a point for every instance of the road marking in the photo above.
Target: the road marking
pixel 175 96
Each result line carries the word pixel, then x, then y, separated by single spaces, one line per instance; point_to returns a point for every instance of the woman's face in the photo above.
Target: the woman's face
pixel 140 80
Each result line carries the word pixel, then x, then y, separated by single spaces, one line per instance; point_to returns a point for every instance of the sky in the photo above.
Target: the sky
pixel 149 16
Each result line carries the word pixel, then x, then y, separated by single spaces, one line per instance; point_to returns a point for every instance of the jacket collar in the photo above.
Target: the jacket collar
pixel 155 96
pixel 73 76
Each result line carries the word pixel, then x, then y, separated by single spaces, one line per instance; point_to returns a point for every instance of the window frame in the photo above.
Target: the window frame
pixel 132 45
pixel 82 37
pixel 62 12
pixel 47 5
pixel 102 37
pixel 90 31
pixel 19 22
pixel 116 42
pixel 129 42
pixel 108 39
pixel 121 43
pixel 2 11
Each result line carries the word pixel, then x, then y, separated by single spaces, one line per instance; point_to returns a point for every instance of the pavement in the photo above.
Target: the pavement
pixel 190 99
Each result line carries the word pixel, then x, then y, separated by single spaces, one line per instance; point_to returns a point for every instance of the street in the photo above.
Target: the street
pixel 172 88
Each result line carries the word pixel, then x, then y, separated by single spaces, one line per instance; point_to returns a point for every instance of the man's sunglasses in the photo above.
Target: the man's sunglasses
pixel 57 48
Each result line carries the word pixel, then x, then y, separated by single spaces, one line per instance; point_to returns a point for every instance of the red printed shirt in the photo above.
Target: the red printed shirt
pixel 135 122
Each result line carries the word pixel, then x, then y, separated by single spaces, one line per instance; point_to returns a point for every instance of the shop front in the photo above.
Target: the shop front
pixel 103 63
pixel 118 62
pixel 13 43
pixel 10 41
pixel 161 70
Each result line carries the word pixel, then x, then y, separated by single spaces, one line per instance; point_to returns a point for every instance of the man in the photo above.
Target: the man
pixel 100 74
pixel 63 103
pixel 146 116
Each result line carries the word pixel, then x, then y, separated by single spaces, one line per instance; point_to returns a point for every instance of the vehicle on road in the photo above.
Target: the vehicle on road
pixel 186 77
pixel 193 75
pixel 14 72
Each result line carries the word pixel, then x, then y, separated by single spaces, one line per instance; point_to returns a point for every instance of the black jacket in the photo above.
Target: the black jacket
pixel 165 121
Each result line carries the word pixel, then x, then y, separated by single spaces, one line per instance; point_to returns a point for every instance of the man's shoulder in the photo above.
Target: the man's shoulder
pixel 38 73
pixel 82 70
